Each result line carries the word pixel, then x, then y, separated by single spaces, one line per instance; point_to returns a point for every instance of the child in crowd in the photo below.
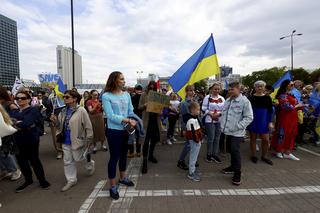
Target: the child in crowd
pixel 194 136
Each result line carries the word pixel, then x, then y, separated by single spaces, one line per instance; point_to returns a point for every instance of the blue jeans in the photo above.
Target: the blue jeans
pixel 7 163
pixel 185 151
pixel 194 152
pixel 213 132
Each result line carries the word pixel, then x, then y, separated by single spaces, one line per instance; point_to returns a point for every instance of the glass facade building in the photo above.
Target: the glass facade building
pixel 9 56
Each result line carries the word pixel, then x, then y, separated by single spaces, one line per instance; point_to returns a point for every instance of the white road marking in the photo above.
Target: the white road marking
pixel 215 192
pixel 85 207
pixel 124 202
pixel 127 194
pixel 309 151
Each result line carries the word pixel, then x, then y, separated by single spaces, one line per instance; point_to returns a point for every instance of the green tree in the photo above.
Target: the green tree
pixel 201 85
pixel 301 74
pixel 315 75
pixel 270 76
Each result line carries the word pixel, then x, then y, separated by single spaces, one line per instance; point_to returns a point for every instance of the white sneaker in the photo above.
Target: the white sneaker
pixel 169 142
pixel 279 155
pixel 59 156
pixel 257 148
pixel 16 175
pixel 104 147
pixel 68 186
pixel 290 157
pixel 90 168
pixel 173 139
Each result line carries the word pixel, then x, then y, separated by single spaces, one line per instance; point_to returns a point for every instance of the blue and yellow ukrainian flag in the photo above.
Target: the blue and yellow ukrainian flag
pixel 286 76
pixel 202 64
pixel 59 89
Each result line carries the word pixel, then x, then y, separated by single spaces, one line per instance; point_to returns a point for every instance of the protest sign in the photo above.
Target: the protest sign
pixel 48 80
pixel 157 101
pixel 17 85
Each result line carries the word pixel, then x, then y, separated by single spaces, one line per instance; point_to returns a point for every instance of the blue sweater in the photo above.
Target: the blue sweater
pixel 116 107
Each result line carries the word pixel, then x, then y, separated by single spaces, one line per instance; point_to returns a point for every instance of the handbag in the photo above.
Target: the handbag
pixel 60 137
pixel 9 145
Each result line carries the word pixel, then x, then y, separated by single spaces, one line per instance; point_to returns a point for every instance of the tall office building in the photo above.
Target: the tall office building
pixel 64 64
pixel 9 56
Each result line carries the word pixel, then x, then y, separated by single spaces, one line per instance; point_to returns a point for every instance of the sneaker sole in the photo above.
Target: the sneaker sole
pixel 236 183
pixel 227 173
pixel 217 161
pixel 195 180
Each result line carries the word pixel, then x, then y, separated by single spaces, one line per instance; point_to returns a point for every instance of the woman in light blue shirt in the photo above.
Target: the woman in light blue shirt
pixel 117 106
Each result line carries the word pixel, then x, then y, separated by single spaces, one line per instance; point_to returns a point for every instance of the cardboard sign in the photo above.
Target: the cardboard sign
pixel 157 101
pixel 48 80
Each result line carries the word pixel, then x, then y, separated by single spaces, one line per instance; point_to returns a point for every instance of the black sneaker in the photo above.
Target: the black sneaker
pixel 126 181
pixel 254 159
pixel 209 159
pixel 236 180
pixel 216 159
pixel 114 194
pixel 23 186
pixel 197 164
pixel 45 185
pixel 182 165
pixel 153 159
pixel 266 160
pixel 228 170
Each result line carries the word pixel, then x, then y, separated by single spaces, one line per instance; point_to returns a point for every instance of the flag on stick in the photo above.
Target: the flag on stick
pixel 276 86
pixel 202 64
pixel 59 90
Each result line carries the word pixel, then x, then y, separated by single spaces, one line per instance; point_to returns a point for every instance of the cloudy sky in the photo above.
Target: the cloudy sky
pixel 157 36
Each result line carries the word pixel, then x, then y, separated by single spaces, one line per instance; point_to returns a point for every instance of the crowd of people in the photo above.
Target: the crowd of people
pixel 87 123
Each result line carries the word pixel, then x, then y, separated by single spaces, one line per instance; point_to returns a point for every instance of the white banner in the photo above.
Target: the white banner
pixel 17 85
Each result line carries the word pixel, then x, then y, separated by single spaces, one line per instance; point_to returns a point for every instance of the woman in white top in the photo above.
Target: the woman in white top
pixel 172 117
pixel 5 124
pixel 212 106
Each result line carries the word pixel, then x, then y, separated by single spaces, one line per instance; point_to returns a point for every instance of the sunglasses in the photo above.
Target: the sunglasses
pixel 66 97
pixel 20 98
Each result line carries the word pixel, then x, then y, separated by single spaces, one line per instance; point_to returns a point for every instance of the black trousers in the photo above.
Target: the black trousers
pixel 233 147
pixel 149 145
pixel 118 146
pixel 29 157
pixel 172 119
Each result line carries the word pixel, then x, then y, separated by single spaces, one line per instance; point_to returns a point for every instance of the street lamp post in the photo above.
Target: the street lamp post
pixel 291 37
pixel 72 40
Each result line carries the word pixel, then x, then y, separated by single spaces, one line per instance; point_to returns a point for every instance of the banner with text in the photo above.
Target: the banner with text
pixel 157 101
pixel 48 80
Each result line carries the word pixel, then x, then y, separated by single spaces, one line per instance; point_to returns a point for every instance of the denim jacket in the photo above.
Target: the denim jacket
pixel 236 116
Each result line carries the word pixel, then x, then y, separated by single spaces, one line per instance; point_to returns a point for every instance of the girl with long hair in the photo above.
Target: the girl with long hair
pixel 117 106
pixel 287 122
pixel 151 121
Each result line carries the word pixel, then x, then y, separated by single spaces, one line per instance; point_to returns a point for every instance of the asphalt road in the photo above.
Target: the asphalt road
pixel 287 186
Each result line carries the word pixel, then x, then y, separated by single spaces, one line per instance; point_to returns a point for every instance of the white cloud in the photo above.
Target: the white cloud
pixel 159 35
